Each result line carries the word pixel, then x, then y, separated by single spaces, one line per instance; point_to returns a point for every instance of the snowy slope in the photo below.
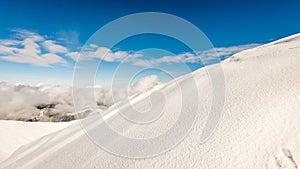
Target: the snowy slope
pixel 259 128
pixel 14 134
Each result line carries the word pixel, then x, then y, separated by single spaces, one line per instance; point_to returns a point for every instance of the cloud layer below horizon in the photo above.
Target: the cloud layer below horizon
pixel 20 102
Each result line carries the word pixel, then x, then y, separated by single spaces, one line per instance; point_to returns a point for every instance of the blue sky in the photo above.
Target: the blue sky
pixel 56 29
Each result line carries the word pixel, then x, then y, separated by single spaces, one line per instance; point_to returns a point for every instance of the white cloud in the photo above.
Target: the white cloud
pixel 73 55
pixel 206 56
pixel 9 42
pixel 52 47
pixel 227 51
pixel 97 52
pixel 145 83
pixel 26 47
pixel 19 101
pixel 7 49
pixel 32 48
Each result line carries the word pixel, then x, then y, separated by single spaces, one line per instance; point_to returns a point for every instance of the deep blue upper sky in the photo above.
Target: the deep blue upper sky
pixel 226 23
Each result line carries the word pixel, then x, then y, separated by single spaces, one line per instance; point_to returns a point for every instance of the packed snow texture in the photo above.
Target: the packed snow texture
pixel 259 128
pixel 14 134
pixel 55 103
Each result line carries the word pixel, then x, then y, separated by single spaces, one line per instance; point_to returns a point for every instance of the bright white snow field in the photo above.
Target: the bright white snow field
pixel 14 134
pixel 259 127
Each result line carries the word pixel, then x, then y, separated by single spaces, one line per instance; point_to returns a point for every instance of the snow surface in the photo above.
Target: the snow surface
pixel 259 128
pixel 14 134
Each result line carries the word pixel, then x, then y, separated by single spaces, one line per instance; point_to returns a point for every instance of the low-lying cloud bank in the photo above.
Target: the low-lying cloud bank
pixel 24 102
pixel 55 103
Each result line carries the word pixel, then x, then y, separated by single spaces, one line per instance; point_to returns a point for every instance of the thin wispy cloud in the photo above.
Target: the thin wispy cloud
pixel 136 58
pixel 97 52
pixel 208 56
pixel 52 47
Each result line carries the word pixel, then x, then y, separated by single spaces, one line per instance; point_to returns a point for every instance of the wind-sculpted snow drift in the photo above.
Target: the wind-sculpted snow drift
pixel 14 134
pixel 259 128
